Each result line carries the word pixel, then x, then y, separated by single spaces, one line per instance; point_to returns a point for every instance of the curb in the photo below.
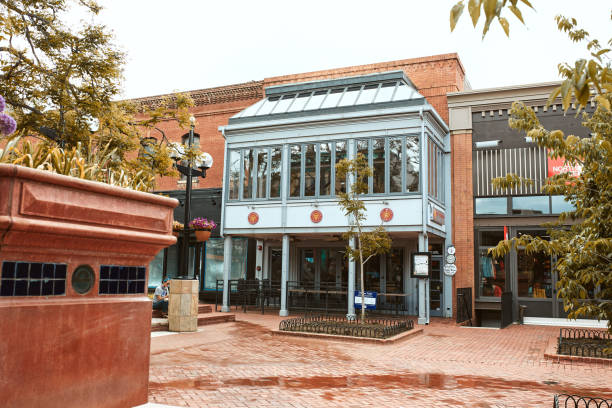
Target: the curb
pixel 551 354
pixel 397 338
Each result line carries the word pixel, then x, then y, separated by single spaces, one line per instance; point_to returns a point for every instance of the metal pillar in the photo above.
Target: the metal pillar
pixel 351 286
pixel 284 276
pixel 227 267
pixel 423 287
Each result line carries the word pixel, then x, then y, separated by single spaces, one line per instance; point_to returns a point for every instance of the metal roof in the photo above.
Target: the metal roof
pixel 310 98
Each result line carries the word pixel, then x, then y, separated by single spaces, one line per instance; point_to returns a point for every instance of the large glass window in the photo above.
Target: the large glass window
pixel 363 148
pixel 275 172
pixel 156 270
pixel 491 205
pixel 395 165
pixel 492 271
pixel 395 271
pixel 262 173
pixel 295 171
pixel 378 165
pixel 310 170
pixel 247 174
pixel 559 205
pixel 340 155
pixel 530 205
pixel 413 163
pixel 435 176
pixel 325 173
pixel 234 174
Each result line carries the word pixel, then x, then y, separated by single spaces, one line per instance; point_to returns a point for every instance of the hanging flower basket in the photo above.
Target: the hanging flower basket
pixel 202 235
pixel 202 228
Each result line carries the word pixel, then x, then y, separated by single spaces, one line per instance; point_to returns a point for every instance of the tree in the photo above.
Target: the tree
pixel 60 84
pixel 369 242
pixel 582 249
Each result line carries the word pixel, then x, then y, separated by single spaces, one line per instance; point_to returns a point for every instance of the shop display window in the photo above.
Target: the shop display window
pixel 534 272
pixel 491 271
pixel 531 205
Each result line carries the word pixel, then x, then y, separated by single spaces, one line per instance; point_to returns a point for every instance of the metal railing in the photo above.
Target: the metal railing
pixel 260 294
pixel 585 343
pixel 340 325
pixel 577 401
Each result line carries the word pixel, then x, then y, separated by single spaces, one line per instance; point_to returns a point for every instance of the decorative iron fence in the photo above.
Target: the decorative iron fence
pixel 585 343
pixel 260 294
pixel 577 401
pixel 340 325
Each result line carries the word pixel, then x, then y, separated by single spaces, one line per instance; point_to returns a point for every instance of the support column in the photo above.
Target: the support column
pixel 227 267
pixel 259 259
pixel 351 285
pixel 423 287
pixel 284 276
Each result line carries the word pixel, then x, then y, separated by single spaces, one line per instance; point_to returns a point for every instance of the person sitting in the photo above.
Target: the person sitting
pixel 160 297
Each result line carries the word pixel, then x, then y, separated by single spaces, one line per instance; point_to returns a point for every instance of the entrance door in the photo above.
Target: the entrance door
pixel 276 264
pixel 435 287
pixel 536 282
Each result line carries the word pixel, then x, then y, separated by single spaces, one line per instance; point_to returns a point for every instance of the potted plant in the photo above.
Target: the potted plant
pixel 202 228
pixel 177 227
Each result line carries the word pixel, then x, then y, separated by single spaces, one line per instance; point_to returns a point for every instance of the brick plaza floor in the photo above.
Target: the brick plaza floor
pixel 241 364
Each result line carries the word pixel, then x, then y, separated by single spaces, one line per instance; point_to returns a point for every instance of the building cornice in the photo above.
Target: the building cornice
pixel 502 97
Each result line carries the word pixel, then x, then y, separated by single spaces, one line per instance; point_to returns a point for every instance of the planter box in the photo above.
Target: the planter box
pixel 74 258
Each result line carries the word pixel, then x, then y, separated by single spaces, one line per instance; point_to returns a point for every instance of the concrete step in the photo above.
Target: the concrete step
pixel 206 319
pixel 204 308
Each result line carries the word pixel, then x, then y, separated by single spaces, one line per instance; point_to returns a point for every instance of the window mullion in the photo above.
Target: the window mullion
pixel 370 165
pixel 255 173
pixel 387 170
pixel 317 169
pixel 303 169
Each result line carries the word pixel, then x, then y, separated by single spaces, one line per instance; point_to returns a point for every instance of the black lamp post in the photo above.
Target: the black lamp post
pixel 189 172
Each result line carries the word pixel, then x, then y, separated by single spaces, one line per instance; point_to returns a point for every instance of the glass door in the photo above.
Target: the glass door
pixel 435 287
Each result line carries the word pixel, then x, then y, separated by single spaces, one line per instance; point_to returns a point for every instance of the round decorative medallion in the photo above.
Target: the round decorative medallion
pixel 316 216
pixel 253 218
pixel 386 214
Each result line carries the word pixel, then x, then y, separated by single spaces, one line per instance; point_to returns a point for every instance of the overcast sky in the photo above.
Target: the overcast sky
pixel 192 44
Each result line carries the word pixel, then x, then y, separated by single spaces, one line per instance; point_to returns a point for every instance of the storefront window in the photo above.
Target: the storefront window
pixel 491 205
pixel 395 273
pixel 363 148
pixel 308 266
pixel 534 271
pixel 234 174
pixel 378 165
pixel 275 173
pixel 214 261
pixel 296 170
pixel 413 162
pixel 325 160
pixel 492 271
pixel 262 173
pixel 327 264
pixel 156 270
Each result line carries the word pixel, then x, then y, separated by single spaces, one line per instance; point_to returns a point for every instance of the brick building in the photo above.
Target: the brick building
pixel 434 77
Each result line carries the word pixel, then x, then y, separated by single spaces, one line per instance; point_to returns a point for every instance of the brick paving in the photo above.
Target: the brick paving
pixel 241 364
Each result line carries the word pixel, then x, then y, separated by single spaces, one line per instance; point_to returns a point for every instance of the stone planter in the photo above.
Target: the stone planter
pixel 74 258
pixel 202 235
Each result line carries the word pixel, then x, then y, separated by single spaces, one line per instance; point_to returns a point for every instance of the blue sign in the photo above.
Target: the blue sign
pixel 369 299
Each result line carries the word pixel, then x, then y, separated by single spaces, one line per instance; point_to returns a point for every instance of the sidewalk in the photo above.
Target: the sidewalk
pixel 242 364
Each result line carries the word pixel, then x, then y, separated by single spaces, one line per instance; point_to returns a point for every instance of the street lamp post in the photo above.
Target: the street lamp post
pixel 189 172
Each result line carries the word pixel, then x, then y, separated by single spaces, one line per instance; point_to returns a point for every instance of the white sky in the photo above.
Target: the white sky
pixel 183 45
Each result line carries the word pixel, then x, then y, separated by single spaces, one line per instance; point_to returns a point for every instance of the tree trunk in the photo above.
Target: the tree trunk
pixel 362 284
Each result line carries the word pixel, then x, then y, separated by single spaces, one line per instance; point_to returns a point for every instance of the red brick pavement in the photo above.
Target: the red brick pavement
pixel 242 365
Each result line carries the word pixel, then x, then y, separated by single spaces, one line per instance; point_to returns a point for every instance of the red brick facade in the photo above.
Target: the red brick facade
pixel 433 76
pixel 462 211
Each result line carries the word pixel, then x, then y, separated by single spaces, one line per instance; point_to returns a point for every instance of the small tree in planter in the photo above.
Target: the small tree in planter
pixel 370 242
pixel 202 227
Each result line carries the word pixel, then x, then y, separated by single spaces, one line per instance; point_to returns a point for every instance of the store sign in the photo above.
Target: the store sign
pixel 421 265
pixel 369 300
pixel 436 215
pixel 559 166
pixel 316 216
pixel 386 214
pixel 253 218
